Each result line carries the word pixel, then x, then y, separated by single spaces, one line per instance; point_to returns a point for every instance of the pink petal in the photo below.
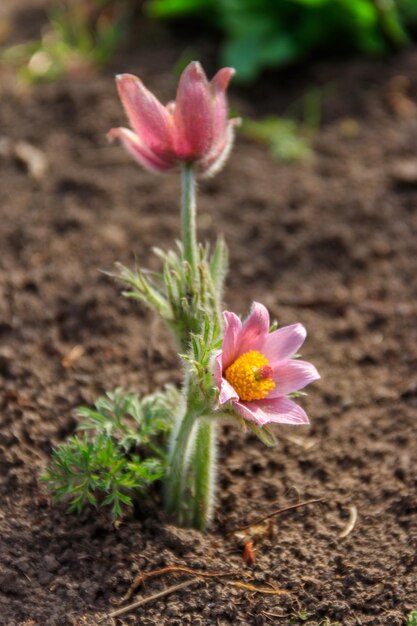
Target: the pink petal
pixel 284 343
pixel 218 86
pixel 170 107
pixel 221 80
pixel 227 392
pixel 291 376
pixel 213 163
pixel 139 151
pixel 148 117
pixel 245 411
pixel 233 326
pixel 218 369
pixel 194 114
pixel 254 330
pixel 277 410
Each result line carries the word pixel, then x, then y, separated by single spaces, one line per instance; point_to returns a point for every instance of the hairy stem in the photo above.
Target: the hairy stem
pixel 204 468
pixel 180 452
pixel 188 215
pixel 191 463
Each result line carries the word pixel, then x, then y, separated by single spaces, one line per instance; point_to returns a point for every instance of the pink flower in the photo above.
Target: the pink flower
pixel 193 129
pixel 255 370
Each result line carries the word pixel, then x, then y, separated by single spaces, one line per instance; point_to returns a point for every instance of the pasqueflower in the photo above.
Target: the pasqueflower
pixel 193 129
pixel 255 370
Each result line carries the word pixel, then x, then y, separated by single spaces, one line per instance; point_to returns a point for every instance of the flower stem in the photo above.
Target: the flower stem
pixel 191 461
pixel 180 453
pixel 188 215
pixel 204 467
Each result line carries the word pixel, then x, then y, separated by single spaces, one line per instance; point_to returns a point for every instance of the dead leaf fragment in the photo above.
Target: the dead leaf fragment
pixel 353 516
pixel 73 356
pixel 248 553
pixel 349 128
pixel 404 172
pixel 32 158
pixel 399 99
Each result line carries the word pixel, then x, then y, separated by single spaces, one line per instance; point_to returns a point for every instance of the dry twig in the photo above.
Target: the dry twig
pixel 169 569
pixel 179 569
pixel 155 596
pixel 276 512
pixel 274 591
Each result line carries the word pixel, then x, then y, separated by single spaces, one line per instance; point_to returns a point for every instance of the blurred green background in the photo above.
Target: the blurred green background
pixel 257 34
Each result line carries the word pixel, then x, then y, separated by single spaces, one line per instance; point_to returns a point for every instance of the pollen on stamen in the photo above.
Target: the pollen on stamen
pixel 251 376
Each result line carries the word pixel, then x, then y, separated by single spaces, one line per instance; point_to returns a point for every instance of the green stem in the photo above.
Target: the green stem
pixel 204 468
pixel 188 215
pixel 178 465
pixel 190 476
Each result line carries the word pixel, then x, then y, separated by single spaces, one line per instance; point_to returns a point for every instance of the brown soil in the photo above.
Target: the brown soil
pixel 330 243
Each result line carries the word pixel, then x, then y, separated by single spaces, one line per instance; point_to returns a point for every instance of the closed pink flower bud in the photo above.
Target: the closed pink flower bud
pixel 193 129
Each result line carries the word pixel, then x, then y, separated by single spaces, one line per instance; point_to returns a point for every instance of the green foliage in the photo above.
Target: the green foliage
pixel 264 434
pixel 301 616
pixel 131 420
pixel 269 33
pixel 97 472
pixel 202 347
pixel 119 454
pixel 412 618
pixel 79 35
pixel 287 141
pixel 183 297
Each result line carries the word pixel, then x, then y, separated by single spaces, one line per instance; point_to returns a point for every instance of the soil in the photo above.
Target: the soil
pixel 329 243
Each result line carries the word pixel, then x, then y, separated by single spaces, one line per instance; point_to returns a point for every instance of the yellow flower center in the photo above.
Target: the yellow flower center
pixel 250 376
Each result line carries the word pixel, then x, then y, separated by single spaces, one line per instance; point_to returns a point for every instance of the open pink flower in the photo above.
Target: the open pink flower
pixel 255 370
pixel 193 129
